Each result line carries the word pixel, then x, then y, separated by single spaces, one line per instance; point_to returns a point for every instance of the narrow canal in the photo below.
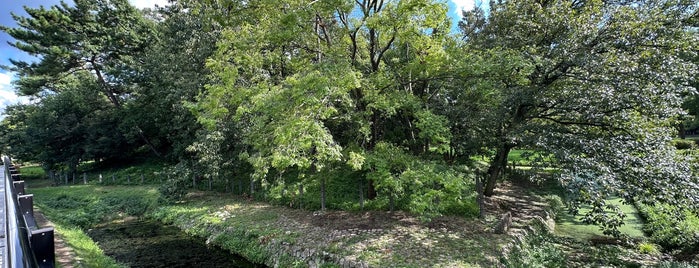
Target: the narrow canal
pixel 151 244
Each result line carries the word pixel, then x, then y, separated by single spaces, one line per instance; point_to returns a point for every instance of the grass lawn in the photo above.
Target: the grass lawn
pixel 526 157
pixel 572 226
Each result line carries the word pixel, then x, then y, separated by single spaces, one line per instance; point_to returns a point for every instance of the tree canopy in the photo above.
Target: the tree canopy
pixel 287 92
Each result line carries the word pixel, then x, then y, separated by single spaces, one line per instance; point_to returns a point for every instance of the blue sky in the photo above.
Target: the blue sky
pixel 7 94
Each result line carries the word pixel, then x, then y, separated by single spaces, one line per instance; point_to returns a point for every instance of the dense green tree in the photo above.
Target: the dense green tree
pixel 13 134
pixel 103 37
pixel 315 83
pixel 170 74
pixel 597 84
pixel 61 130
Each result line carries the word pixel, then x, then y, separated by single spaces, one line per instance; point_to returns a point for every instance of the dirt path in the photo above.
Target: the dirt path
pixel 65 256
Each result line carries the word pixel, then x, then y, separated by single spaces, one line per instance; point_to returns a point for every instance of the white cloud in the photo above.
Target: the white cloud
pixel 5 80
pixel 463 5
pixel 148 3
pixel 7 92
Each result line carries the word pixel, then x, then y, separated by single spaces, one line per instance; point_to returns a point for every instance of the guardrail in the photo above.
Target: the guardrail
pixel 27 245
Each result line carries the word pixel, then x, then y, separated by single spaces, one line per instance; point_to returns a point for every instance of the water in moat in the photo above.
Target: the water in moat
pixel 151 244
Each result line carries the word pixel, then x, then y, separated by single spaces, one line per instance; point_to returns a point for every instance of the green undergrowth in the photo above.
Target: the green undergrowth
pixel 84 206
pixel 426 189
pixel 647 232
pixel 141 173
pixel 148 173
pixel 32 172
pixel 670 227
pixel 73 209
pixel 543 249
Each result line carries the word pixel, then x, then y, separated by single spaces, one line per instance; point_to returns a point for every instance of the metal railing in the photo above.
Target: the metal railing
pixel 27 245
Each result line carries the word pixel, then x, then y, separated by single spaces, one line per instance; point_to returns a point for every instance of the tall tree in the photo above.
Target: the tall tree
pixel 169 76
pixel 64 129
pixel 103 37
pixel 315 82
pixel 597 84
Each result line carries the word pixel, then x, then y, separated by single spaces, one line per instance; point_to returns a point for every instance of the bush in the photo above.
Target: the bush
pixel 175 187
pixel 537 251
pixel 670 227
pixel 556 206
pixel 648 248
pixel 673 264
pixel 424 188
pixel 684 144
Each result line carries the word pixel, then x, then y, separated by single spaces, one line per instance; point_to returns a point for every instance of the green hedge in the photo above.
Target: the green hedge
pixel 671 227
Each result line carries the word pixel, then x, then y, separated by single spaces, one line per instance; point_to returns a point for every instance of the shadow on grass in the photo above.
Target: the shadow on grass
pixel 572 225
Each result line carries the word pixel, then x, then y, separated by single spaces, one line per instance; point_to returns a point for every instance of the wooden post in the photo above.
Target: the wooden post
pixel 73 177
pixel 391 202
pixel 480 198
pixel 113 178
pixel 84 178
pixel 361 195
pixel 322 193
pixel 300 196
pixel 65 176
pixel 128 178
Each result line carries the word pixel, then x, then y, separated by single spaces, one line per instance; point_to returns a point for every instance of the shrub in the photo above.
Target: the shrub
pixel 684 144
pixel 671 227
pixel 175 187
pixel 673 264
pixel 64 201
pixel 536 251
pixel 648 248
pixel 556 206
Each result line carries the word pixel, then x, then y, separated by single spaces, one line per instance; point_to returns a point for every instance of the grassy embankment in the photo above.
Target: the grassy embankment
pixel 86 250
pixel 245 227
pixel 73 209
pixel 258 230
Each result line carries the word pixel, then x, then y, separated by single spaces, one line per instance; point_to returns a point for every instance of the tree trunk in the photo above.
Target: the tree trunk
pixel 496 169
pixel 114 99
pixel 681 131
pixel 371 190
